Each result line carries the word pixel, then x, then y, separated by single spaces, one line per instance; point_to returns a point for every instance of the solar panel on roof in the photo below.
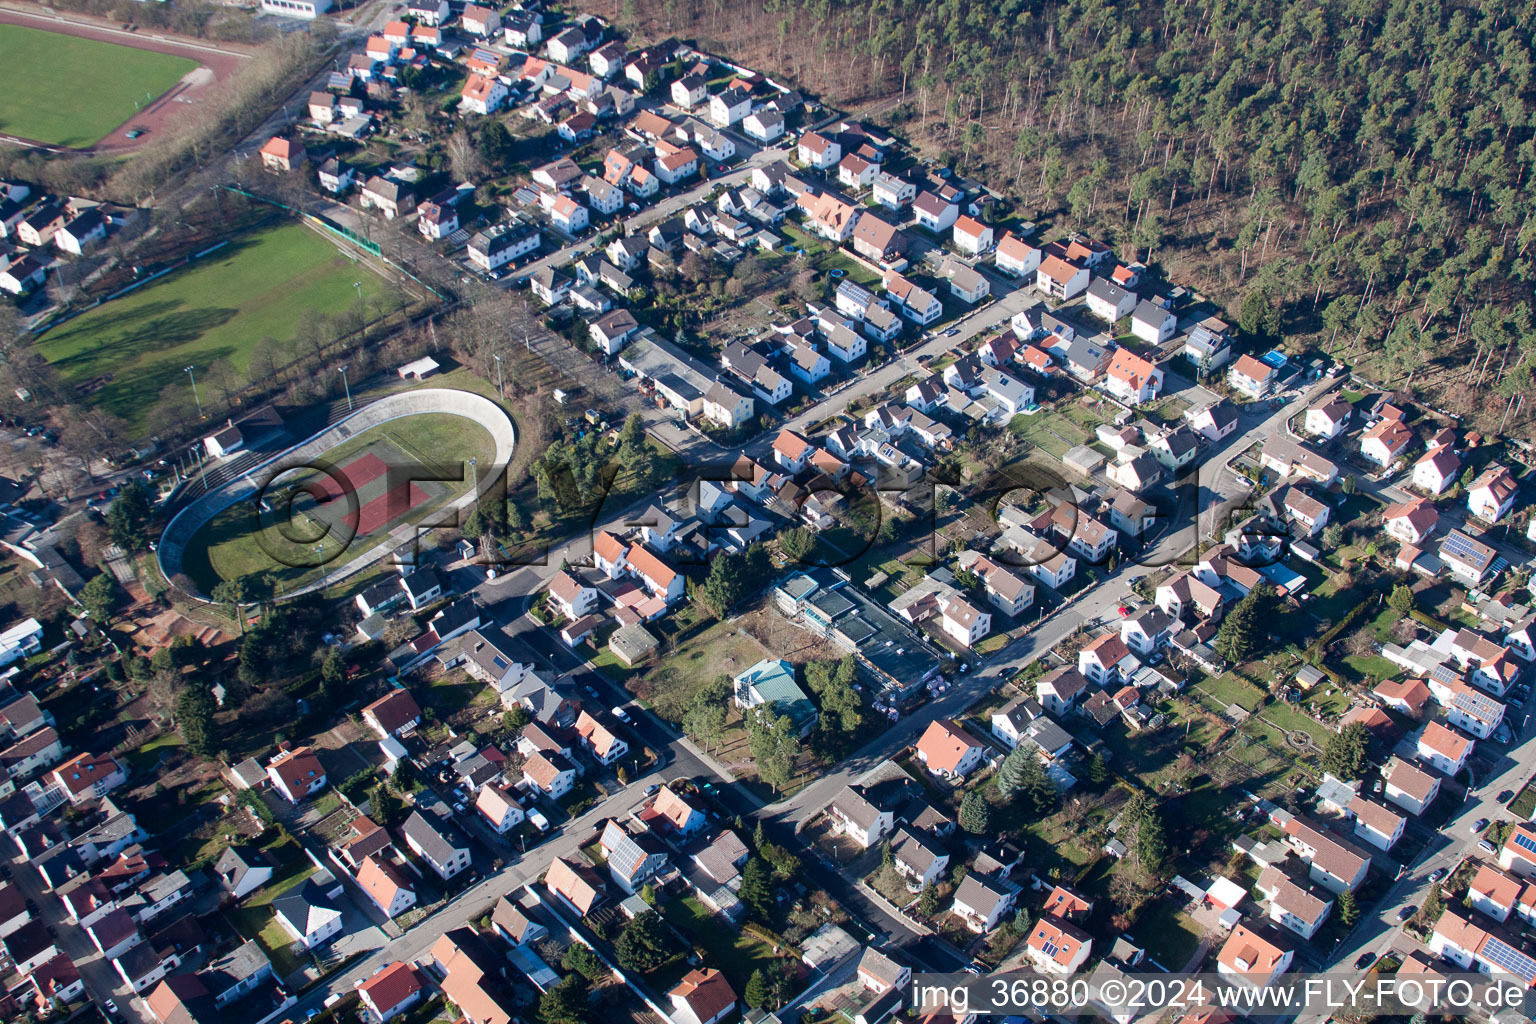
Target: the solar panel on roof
pixel 1525 842
pixel 1509 958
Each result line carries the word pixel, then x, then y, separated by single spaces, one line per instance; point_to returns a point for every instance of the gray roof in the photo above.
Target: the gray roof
pixel 305 906
pixel 1104 289
pixel 626 853
pixel 982 894
pixel 880 964
pixel 240 964
pixel 159 887
pixel 235 862
pixel 430 838
pixel 1021 712
pixel 1149 312
pixel 915 849
pixel 722 858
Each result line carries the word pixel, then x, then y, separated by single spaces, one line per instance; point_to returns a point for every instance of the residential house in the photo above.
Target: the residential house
pixel 576 885
pixel 818 151
pixel 1333 862
pixel 386 886
pixel 676 811
pixel 550 773
pixel 600 740
pixel 1252 956
pixel 1492 494
pixel 632 859
pixel 1153 322
pixel 1056 946
pixel 437 843
pixel 877 239
pixel 89 776
pixel 1132 379
pixel 1252 378
pixel 391 991
pixel 1016 256
pixel 1328 418
pixel 307 914
pixel 81 233
pixel 983 900
pixel 828 216
pixel 892 192
pixel 1494 892
pixel 279 154
pixel 1410 522
pixel 480 21
pixel 914 303
pixel 971 236
pixel 966 283
pixel 1291 904
pixel 242 870
pixel 728 107
pixel 1060 690
pixel 391 198
pixel 764 126
pixel 934 212
pixel 500 807
pixel 1436 471
pixel 703 996
pixel 1061 280
pixel 655 575
pixel 1384 443
pixel 879 972
pixel 1105 661
pixel 436 221
pixel 1108 301
pixel 1377 825
pixel 394 714
pixel 1468 559
pixel 948 751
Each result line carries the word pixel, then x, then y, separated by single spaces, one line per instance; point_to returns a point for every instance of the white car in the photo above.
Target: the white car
pixel 538 821
pixel 621 714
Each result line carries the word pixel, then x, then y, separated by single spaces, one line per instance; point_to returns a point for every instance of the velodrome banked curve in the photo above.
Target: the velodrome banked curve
pixel 185 524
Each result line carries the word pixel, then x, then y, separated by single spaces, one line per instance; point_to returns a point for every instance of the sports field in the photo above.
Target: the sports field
pixel 125 352
pixel 69 91
pixel 369 485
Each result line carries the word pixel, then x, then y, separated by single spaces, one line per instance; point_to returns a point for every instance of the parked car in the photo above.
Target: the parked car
pixel 1479 825
pixel 1486 846
pixel 1406 912
pixel 620 713
pixel 1437 874
pixel 1364 960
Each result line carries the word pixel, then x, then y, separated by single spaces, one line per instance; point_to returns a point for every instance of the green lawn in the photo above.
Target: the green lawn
pixel 1231 690
pixel 721 649
pixel 219 307
pixel 735 953
pixel 1052 430
pixel 1169 934
pixel 243 541
pixel 254 918
pixel 69 91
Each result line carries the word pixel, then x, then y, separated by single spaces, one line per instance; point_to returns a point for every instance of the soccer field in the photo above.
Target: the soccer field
pixel 69 91
pixel 246 539
pixel 128 350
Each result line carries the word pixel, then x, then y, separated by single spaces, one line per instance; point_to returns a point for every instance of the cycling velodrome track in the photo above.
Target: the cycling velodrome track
pixel 185 524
